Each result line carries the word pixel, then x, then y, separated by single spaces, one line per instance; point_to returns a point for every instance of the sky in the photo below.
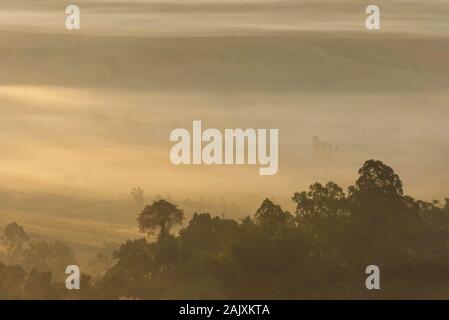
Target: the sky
pixel 89 112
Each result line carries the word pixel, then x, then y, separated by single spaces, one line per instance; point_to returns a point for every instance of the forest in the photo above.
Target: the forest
pixel 319 251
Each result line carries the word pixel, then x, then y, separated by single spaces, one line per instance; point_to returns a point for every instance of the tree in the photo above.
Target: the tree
pixel 207 234
pixel 38 286
pixel 378 177
pixel 272 219
pixel 15 234
pixel 321 207
pixel 16 242
pixel 136 264
pixel 161 216
pixel 322 213
pixel 434 235
pixel 135 255
pixel 137 195
pixel 51 257
pixel 104 259
pixel 12 279
pixel 382 216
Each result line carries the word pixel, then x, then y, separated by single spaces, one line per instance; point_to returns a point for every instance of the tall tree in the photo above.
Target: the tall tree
pixel 16 241
pixel 322 213
pixel 382 215
pixel 137 196
pixel 272 219
pixel 321 206
pixel 161 216
pixel 15 234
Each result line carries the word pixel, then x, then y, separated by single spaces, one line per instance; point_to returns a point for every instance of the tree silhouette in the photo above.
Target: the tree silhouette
pixel 272 219
pixel 16 241
pixel 319 204
pixel 11 281
pixel 51 257
pixel 322 213
pixel 38 286
pixel 161 216
pixel 319 252
pixel 382 215
pixel 14 234
pixel 137 195
pixel 377 177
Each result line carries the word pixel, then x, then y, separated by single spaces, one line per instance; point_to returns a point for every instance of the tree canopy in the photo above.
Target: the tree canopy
pixel 320 250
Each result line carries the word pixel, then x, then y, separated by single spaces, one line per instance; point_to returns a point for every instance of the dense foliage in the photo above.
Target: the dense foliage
pixel 319 251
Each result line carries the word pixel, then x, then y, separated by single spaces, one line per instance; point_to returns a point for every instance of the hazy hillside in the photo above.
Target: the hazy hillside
pixel 86 115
